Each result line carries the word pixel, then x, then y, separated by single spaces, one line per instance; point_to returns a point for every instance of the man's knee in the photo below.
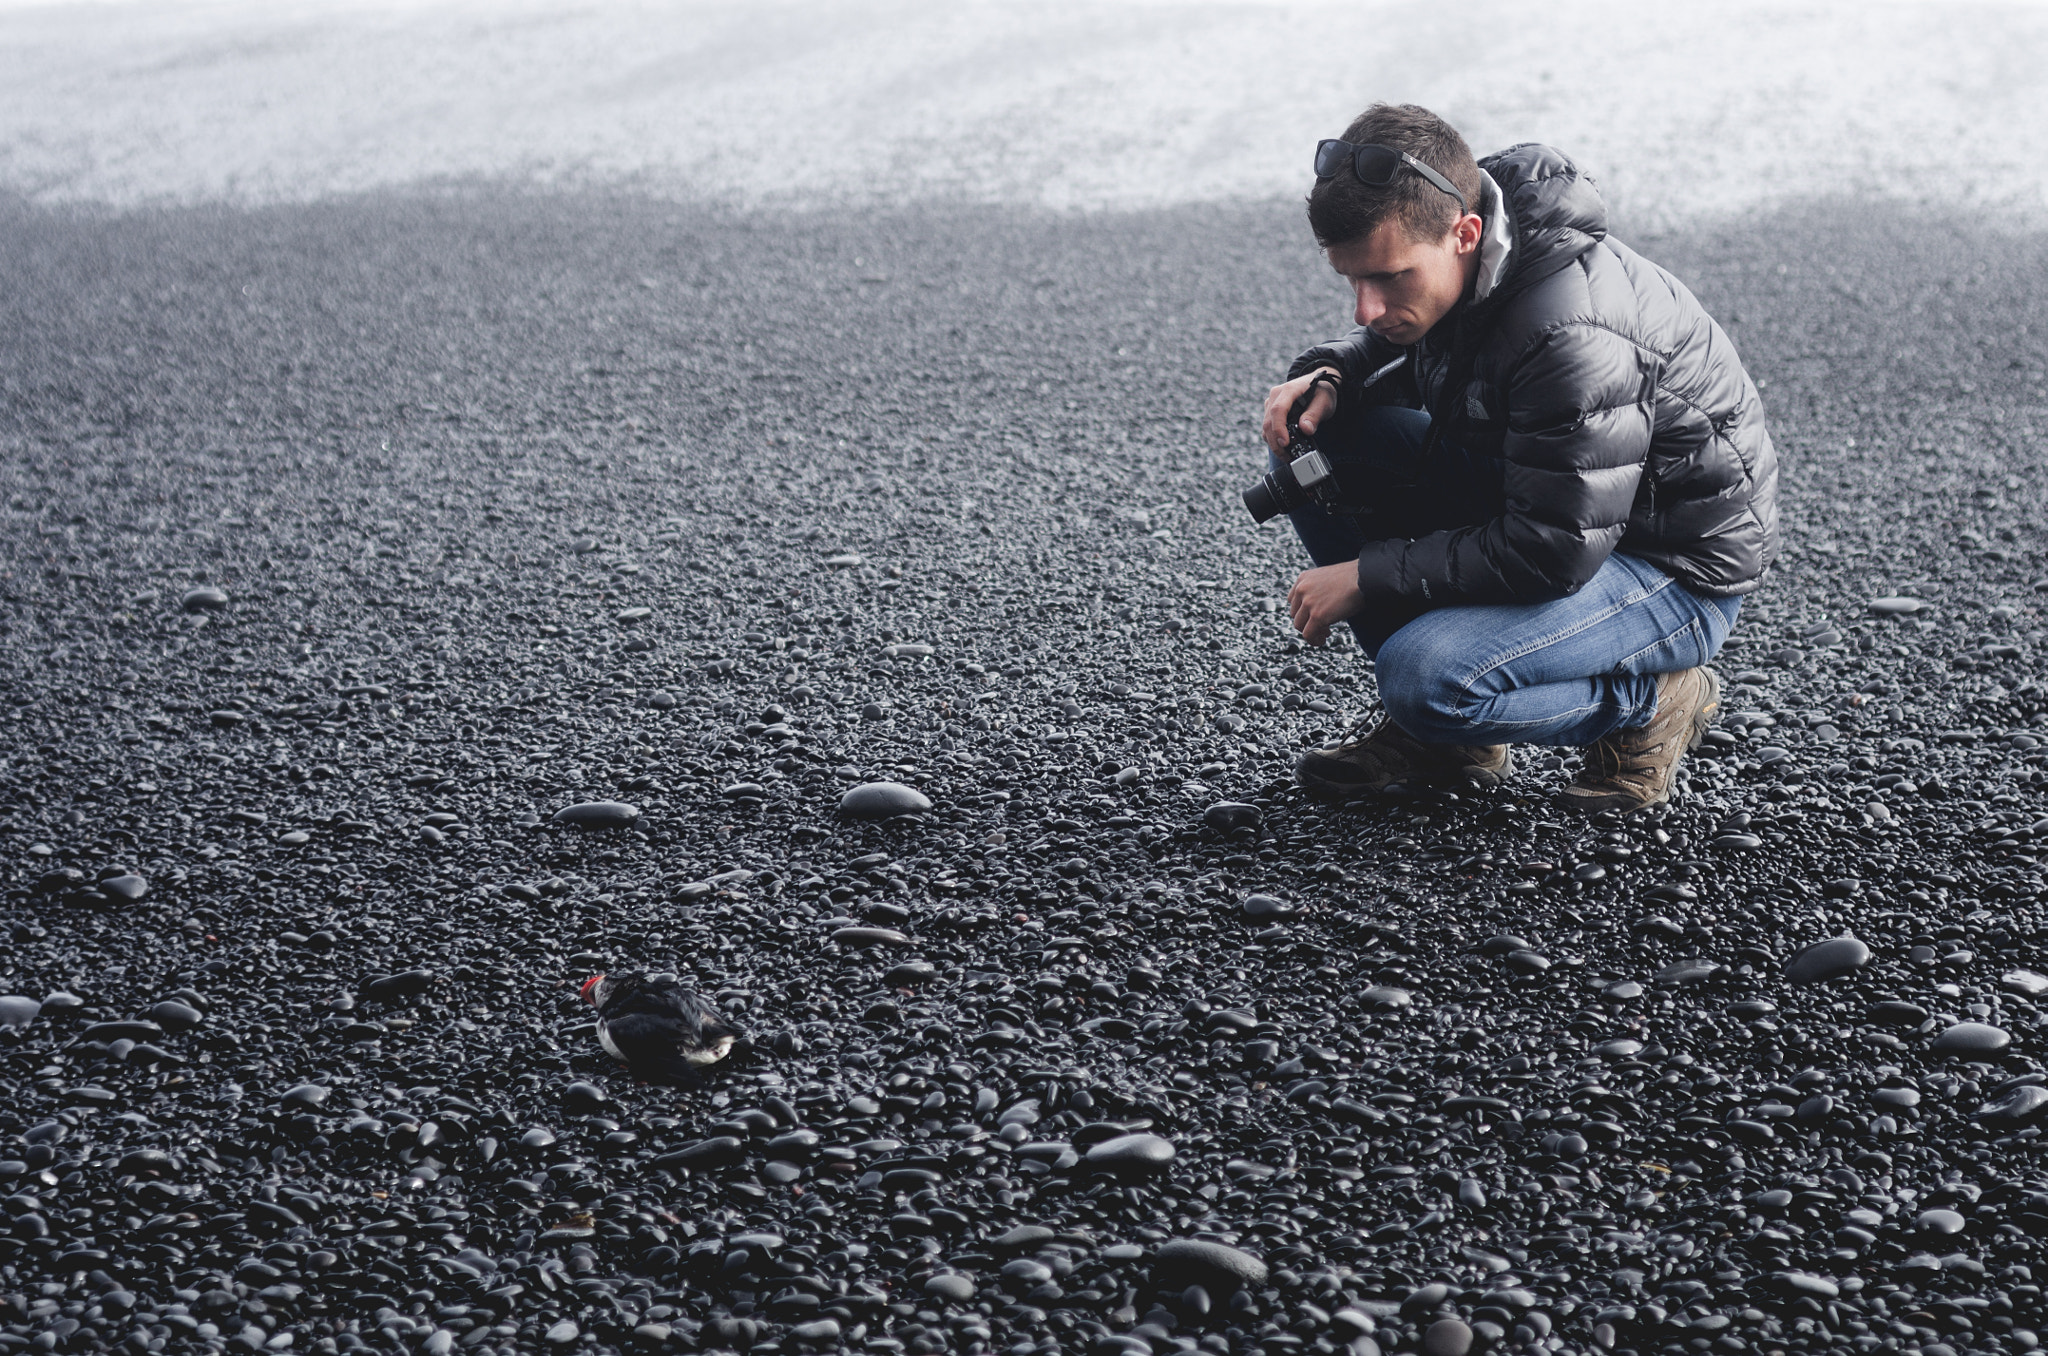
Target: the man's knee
pixel 1419 689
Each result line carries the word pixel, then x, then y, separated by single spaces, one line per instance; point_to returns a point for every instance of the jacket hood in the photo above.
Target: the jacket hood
pixel 1557 212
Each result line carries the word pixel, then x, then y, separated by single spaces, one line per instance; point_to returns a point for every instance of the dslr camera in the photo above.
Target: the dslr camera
pixel 1303 478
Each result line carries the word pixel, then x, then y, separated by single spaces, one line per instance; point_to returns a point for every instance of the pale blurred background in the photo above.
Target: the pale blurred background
pixel 1686 113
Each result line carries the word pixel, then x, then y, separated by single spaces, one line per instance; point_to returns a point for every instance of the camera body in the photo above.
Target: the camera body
pixel 1302 479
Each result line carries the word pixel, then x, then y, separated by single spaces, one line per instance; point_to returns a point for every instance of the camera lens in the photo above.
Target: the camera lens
pixel 1259 498
pixel 1273 494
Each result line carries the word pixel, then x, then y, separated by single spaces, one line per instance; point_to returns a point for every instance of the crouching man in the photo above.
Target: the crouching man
pixel 1549 484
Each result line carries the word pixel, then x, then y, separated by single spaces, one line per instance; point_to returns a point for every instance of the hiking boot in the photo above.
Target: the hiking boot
pixel 1389 755
pixel 1632 770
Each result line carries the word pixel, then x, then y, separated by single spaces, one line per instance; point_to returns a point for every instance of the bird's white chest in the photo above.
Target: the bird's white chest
pixel 611 1047
pixel 712 1053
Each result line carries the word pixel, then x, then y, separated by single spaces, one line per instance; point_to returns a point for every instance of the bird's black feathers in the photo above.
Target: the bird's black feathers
pixel 662 1030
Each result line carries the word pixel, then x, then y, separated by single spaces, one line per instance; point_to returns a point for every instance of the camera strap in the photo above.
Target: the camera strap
pixel 1324 377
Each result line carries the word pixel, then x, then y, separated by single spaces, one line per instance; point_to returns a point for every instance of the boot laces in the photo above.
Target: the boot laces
pixel 1383 741
pixel 1611 759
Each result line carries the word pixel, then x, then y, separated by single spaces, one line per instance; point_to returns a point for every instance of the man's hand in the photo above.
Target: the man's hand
pixel 1281 399
pixel 1321 598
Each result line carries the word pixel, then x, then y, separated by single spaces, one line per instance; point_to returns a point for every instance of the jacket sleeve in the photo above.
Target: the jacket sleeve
pixel 1580 412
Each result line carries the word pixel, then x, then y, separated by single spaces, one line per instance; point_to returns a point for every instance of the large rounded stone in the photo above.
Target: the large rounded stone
pixel 1827 960
pixel 1227 816
pixel 2016 1107
pixel 704 1153
pixel 172 1015
pixel 1972 1038
pixel 205 598
pixel 864 936
pixel 1214 1266
pixel 1447 1337
pixel 16 1012
pixel 1132 1155
pixel 952 1287
pixel 883 800
pixel 599 814
pixel 129 889
pixel 1262 908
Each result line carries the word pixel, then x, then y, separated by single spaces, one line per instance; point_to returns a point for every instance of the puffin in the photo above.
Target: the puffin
pixel 660 1029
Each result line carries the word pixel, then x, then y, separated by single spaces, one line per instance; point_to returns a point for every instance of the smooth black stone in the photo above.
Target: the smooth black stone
pixel 882 800
pixel 16 1012
pixel 144 1163
pixel 796 1144
pixel 910 974
pixel 1132 1155
pixel 174 1016
pixel 1690 970
pixel 581 1097
pixel 1447 1337
pixel 599 814
pixel 2018 1106
pixel 951 1287
pixel 1259 908
pixel 2028 982
pixel 1217 1267
pixel 1227 816
pixel 393 988
pixel 129 889
pixel 1826 960
pixel 704 1153
pixel 861 936
pixel 1972 1038
pixel 1022 1236
pixel 205 598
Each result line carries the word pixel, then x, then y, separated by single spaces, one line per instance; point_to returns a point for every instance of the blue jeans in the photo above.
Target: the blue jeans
pixel 1565 671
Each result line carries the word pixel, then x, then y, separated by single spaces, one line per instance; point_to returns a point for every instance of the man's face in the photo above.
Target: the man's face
pixel 1403 285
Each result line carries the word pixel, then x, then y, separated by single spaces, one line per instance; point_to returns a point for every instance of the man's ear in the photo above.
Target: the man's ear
pixel 1468 232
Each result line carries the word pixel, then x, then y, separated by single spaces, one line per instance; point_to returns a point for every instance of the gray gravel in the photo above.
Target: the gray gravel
pixel 348 546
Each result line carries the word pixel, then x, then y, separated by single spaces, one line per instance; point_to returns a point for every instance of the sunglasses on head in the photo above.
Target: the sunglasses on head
pixel 1376 166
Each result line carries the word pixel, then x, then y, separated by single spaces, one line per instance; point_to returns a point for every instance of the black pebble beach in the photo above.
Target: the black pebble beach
pixel 414 604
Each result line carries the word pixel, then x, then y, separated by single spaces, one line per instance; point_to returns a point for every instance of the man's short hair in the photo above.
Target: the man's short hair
pixel 1342 210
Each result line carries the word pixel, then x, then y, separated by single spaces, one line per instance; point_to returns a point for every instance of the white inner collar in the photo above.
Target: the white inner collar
pixel 1496 242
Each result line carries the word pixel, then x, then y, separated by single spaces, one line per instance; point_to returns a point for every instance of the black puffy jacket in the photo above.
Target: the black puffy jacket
pixel 1600 409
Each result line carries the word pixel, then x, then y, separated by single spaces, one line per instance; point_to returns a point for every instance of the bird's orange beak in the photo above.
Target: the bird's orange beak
pixel 589 989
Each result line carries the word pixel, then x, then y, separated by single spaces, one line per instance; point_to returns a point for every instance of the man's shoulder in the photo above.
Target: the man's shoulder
pixel 1608 285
